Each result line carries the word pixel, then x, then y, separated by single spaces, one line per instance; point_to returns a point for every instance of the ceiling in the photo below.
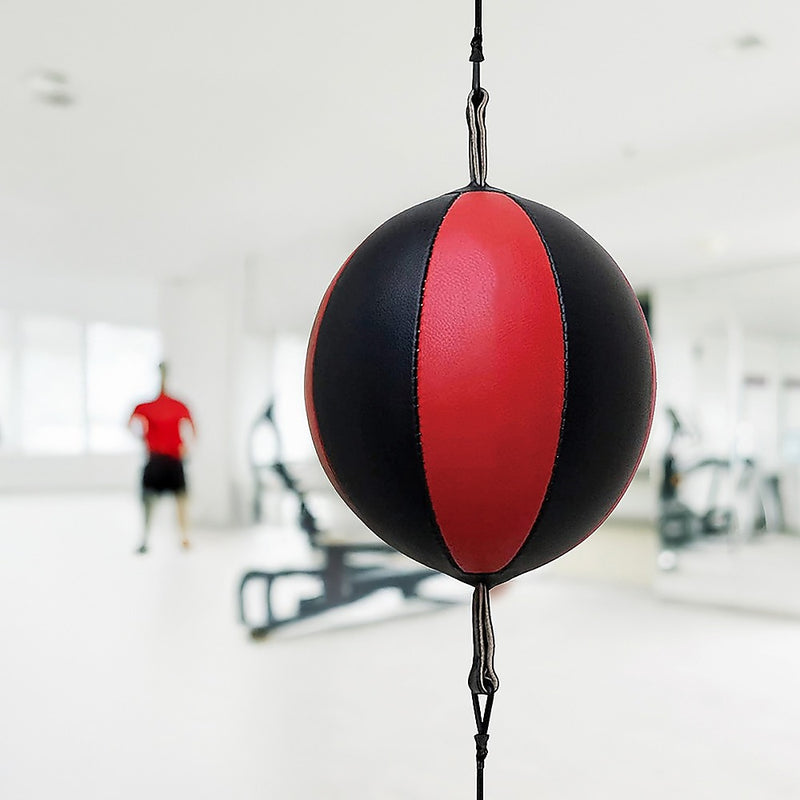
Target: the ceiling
pixel 209 133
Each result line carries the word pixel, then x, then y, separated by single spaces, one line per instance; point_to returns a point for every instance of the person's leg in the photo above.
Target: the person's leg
pixel 148 500
pixel 182 506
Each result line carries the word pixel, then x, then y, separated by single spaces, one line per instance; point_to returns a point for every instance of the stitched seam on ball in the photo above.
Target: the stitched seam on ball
pixel 415 386
pixel 548 492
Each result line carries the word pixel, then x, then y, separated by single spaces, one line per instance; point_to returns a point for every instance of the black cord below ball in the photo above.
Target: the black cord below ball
pixel 481 739
pixel 483 679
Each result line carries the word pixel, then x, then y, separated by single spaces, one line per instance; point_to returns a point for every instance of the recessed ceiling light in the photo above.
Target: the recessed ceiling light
pixel 51 87
pixel 749 42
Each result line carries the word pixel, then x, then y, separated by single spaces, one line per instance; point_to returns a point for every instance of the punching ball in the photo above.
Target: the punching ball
pixel 480 386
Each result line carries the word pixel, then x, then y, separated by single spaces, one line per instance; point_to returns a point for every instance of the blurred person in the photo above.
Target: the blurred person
pixel 161 424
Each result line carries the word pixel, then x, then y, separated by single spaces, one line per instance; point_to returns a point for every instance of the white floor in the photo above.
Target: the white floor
pixel 757 575
pixel 125 677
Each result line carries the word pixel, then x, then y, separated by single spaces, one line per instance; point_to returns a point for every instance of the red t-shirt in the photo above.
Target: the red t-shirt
pixel 161 419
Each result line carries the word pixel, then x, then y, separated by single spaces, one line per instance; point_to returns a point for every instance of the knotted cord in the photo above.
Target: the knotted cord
pixel 483 679
pixel 476 105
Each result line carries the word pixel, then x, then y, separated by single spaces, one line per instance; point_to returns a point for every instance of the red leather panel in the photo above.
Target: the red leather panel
pixel 490 382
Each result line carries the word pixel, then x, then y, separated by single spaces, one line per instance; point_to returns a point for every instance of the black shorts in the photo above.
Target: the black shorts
pixel 163 474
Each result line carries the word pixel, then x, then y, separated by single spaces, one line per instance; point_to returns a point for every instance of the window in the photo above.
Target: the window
pixel 120 372
pixel 68 387
pixel 51 386
pixel 290 356
pixel 6 380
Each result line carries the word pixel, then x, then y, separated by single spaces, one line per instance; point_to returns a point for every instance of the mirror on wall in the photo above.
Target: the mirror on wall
pixel 728 439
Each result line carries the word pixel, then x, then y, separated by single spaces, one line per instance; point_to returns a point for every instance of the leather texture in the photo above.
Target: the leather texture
pixel 610 391
pixel 480 384
pixel 362 384
pixel 490 378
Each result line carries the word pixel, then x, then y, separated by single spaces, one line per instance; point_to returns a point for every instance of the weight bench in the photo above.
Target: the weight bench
pixel 342 582
pixel 343 579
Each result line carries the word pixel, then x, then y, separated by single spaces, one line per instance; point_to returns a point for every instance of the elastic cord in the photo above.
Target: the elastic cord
pixel 476 56
pixel 483 679
pixel 476 105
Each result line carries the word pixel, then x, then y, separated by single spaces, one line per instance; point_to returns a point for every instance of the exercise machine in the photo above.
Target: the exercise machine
pixel 738 498
pixel 349 571
pixel 275 465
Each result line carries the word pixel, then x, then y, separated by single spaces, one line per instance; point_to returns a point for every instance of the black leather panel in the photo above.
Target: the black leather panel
pixel 610 388
pixel 363 383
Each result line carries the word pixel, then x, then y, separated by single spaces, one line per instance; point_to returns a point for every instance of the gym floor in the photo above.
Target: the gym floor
pixel 128 677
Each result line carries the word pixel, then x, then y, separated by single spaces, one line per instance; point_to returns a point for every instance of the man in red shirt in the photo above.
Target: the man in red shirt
pixel 161 422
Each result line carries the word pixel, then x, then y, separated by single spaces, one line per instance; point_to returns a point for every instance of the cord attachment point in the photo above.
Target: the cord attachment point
pixel 482 677
pixel 476 124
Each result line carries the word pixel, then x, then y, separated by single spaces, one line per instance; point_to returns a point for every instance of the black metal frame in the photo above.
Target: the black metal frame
pixel 343 581
pixel 680 526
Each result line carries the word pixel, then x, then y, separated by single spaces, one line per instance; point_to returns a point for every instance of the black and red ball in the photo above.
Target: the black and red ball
pixel 480 384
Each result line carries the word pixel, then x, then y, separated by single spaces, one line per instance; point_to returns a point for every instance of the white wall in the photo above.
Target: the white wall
pixel 728 356
pixel 223 373
pixel 218 364
pixel 107 299
pixel 125 301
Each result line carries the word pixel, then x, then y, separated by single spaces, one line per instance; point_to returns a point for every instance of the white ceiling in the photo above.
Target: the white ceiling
pixel 206 133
